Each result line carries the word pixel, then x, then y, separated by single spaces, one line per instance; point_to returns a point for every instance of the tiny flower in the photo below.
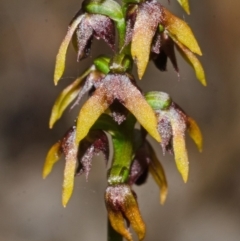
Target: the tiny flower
pixel 173 122
pixel 93 25
pixel 83 28
pixel 175 32
pixel 151 28
pixel 149 15
pixel 116 87
pixel 122 206
pixel 95 142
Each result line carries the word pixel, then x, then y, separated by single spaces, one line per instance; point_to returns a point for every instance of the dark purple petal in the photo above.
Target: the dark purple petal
pixel 84 34
pixel 93 144
pixel 101 144
pixel 139 167
pixel 160 61
pixel 68 141
pixel 165 130
pixel 92 81
pixel 156 43
pixel 103 28
pixel 167 46
pixel 166 51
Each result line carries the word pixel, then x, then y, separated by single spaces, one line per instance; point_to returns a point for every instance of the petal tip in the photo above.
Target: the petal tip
pixel 163 196
pixel 52 120
pixel 65 200
pixel 44 175
pixel 185 177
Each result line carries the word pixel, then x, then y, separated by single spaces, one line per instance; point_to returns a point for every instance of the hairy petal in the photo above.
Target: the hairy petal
pixel 103 28
pixel 120 87
pixel 66 97
pixel 90 112
pixel 137 105
pixel 70 150
pixel 185 5
pixel 156 43
pixel 179 147
pixel 131 18
pixel 86 161
pixel 95 142
pixel 165 130
pixel 148 18
pixel 84 35
pixel 123 90
pixel 101 143
pixel 193 61
pixel 181 31
pixel 53 156
pixel 61 56
pixel 195 132
pixel 158 174
pixel 117 221
pixel 92 80
pixel 139 168
pixel 131 211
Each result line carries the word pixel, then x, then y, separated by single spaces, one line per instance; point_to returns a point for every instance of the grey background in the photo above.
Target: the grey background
pixel 207 208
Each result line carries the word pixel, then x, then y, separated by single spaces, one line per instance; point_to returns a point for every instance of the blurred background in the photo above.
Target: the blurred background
pixel 207 208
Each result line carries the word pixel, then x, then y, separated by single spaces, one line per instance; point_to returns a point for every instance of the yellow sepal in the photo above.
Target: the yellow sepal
pixel 53 156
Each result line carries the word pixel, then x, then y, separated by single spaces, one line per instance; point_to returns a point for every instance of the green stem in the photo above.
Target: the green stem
pixel 122 61
pixel 121 29
pixel 112 234
pixel 123 149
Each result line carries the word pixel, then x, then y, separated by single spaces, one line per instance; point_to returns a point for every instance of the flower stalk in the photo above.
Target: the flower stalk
pixel 137 31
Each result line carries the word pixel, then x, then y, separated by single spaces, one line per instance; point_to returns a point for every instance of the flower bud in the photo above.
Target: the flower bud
pixel 122 205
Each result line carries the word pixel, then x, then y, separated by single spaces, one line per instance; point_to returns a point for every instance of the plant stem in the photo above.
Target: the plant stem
pixel 112 234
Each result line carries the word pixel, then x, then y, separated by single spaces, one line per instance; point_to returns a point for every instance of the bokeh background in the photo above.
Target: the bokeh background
pixel 207 208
